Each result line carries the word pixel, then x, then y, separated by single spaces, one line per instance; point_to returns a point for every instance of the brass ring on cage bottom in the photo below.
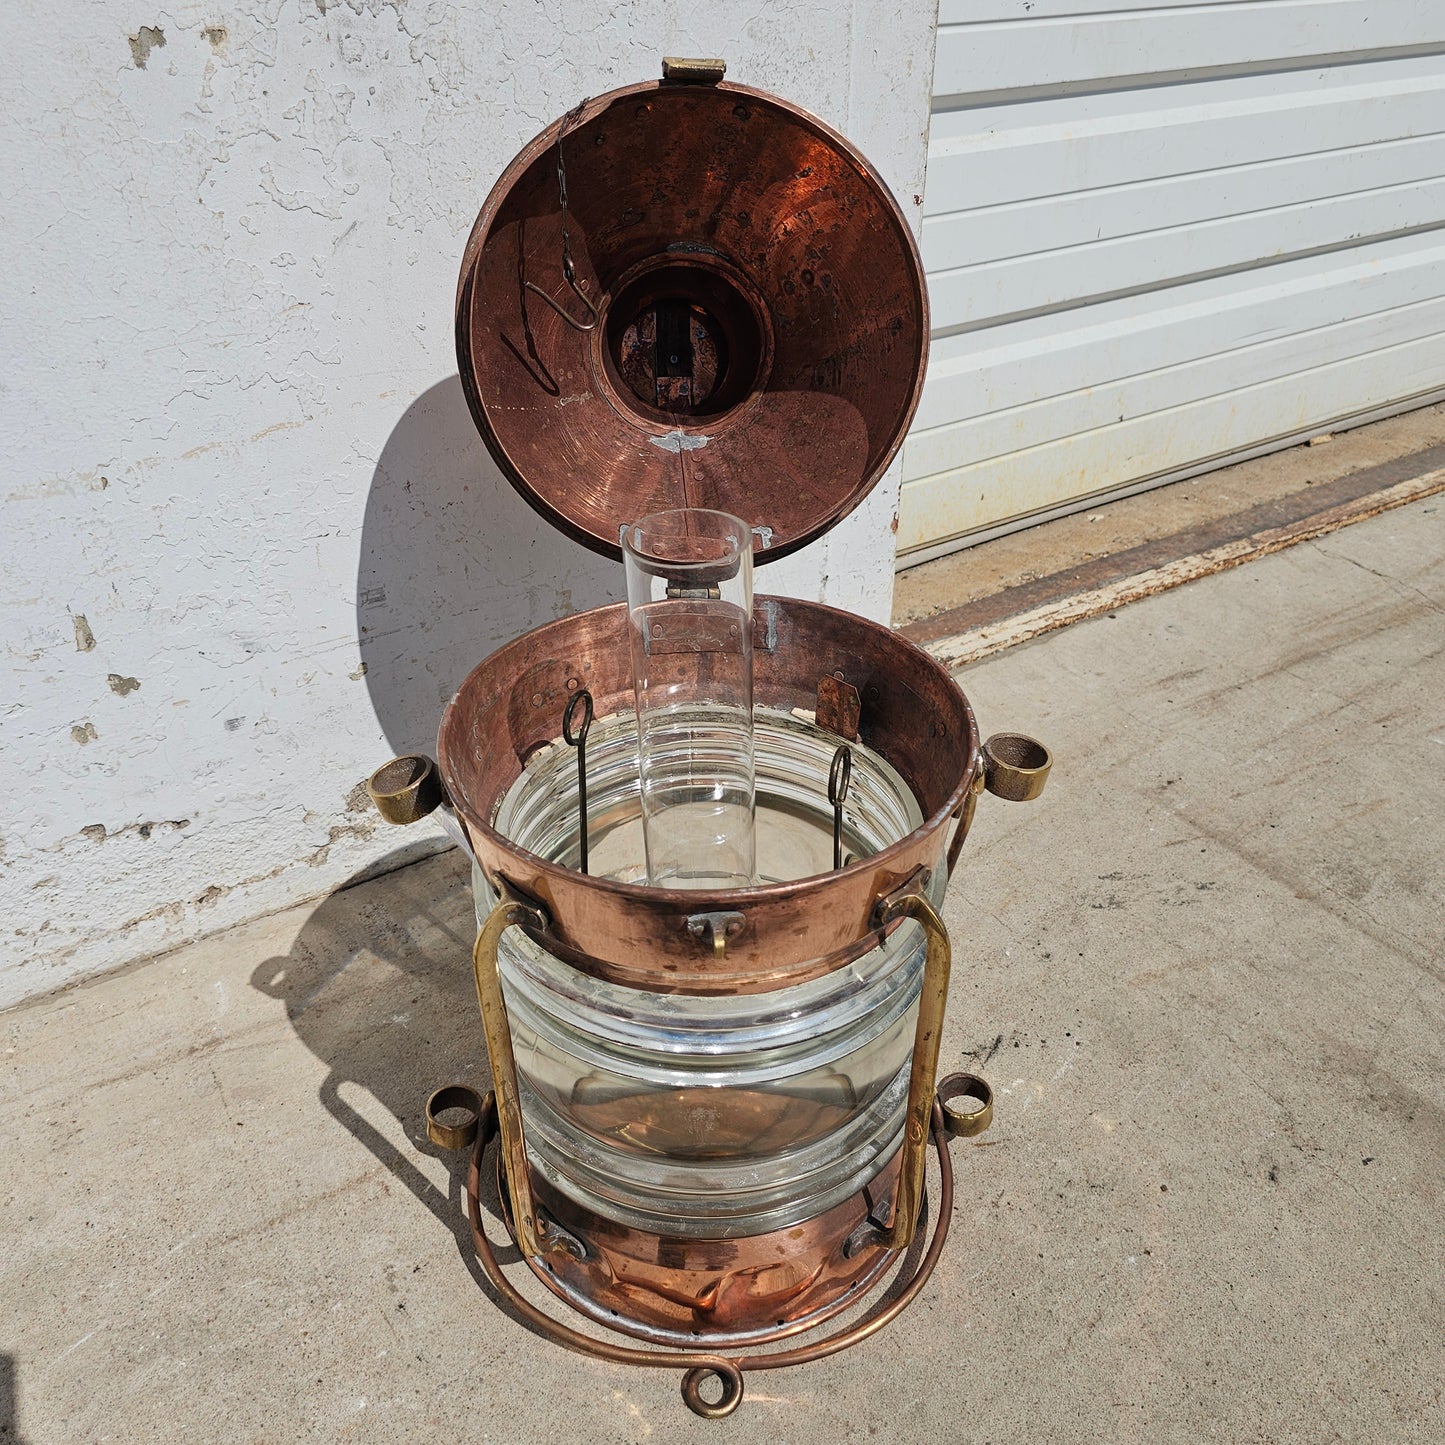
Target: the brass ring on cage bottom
pixel 453 1096
pixel 965 1123
pixel 699 1366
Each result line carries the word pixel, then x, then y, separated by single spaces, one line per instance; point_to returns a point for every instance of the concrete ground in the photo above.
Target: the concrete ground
pixel 1205 974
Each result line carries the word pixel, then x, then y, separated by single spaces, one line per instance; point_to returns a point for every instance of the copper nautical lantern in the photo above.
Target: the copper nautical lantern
pixel 685 303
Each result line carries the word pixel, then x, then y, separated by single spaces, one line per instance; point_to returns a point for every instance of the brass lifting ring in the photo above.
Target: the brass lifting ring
pixel 965 1123
pixel 728 1376
pixel 1016 767
pixel 453 1136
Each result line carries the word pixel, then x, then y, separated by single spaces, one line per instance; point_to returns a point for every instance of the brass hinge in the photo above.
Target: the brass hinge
pixel 682 71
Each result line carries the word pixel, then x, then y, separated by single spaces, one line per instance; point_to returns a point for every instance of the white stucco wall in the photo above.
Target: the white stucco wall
pixel 251 539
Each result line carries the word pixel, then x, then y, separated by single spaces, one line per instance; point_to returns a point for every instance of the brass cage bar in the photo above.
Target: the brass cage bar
pixel 509 910
pixel 927 1037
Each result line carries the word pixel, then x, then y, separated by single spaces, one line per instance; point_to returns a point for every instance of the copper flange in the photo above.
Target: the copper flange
pixel 711 1293
pixel 910 711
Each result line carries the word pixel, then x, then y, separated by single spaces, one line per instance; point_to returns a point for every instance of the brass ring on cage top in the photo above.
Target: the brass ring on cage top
pixel 965 1123
pixel 1016 766
pixel 407 788
pixel 453 1096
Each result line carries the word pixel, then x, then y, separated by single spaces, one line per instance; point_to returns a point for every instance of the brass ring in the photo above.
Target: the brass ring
pixel 960 1123
pixel 1016 767
pixel 406 789
pixel 728 1375
pixel 453 1136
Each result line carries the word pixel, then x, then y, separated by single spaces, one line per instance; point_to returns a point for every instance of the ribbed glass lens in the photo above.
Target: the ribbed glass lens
pixel 712 1116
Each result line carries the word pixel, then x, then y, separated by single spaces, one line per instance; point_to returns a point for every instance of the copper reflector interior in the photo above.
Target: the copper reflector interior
pixel 760 319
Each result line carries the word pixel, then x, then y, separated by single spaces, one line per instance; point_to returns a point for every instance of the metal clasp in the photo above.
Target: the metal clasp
pixel 578 739
pixel 839 776
pixel 683 71
pixel 719 927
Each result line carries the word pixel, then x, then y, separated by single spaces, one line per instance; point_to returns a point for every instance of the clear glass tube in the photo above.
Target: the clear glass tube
pixel 690 631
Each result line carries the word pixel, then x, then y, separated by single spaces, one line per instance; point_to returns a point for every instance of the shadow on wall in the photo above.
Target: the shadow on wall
pixel 453 564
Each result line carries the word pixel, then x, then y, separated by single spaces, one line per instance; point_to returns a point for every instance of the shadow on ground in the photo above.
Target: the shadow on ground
pixel 378 985
pixel 9 1402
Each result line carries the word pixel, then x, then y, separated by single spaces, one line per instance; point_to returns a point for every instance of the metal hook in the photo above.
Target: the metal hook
pixel 570 275
pixel 578 740
pixel 839 776
pixel 569 271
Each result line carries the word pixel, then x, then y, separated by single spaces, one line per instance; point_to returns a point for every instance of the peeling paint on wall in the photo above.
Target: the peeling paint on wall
pixel 146 39
pixel 99 833
pixel 123 686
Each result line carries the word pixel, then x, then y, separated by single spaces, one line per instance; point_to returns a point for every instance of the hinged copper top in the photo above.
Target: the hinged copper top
pixel 728 313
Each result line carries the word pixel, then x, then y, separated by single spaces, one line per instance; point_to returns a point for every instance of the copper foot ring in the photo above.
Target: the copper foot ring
pixel 699 1367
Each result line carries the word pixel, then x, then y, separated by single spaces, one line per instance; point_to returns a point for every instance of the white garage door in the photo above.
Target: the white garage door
pixel 1161 235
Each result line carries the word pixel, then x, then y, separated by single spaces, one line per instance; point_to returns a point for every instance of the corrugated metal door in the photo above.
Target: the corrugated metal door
pixel 1161 235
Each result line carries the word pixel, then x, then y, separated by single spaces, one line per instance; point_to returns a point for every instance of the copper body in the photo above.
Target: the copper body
pixel 911 712
pixel 786 270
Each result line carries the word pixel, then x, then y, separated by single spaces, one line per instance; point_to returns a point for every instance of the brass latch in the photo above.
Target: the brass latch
pixel 683 71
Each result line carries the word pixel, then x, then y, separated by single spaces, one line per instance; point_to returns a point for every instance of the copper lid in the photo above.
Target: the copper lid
pixel 745 328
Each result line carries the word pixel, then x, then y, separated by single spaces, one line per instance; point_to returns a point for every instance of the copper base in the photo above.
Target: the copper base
pixel 699 1363
pixel 691 1293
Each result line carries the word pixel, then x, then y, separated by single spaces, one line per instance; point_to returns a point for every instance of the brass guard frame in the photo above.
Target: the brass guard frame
pixel 500 1114
pixel 966 812
pixel 910 902
pixel 927 1037
pixel 698 1365
pixel 507 1104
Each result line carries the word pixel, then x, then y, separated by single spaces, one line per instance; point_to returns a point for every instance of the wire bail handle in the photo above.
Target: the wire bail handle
pixel 578 740
pixel 569 269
